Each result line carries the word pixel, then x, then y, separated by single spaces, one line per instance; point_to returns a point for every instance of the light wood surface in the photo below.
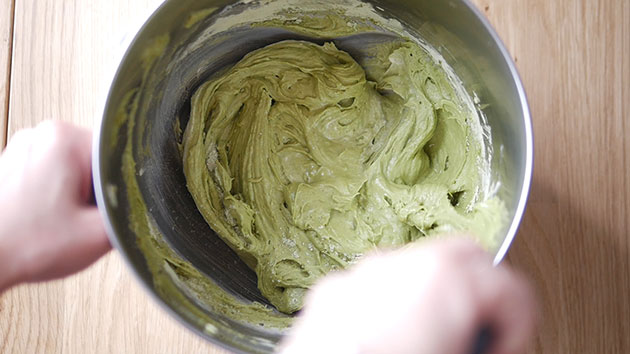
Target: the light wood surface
pixel 64 52
pixel 573 56
pixel 574 240
pixel 6 43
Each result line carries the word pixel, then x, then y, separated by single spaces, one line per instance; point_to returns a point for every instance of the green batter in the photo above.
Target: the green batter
pixel 303 160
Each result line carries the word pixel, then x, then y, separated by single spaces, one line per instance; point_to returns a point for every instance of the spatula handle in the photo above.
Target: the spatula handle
pixel 484 339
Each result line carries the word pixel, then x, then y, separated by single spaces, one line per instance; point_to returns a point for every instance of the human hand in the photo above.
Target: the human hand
pixel 49 227
pixel 433 298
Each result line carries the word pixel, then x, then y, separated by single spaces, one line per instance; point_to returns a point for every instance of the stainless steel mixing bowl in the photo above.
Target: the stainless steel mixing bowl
pixel 454 27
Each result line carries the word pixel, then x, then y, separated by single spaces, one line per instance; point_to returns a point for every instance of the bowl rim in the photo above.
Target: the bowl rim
pixel 131 39
pixel 529 136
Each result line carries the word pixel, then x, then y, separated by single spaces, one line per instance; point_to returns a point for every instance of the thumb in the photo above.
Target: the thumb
pixel 92 242
pixel 84 241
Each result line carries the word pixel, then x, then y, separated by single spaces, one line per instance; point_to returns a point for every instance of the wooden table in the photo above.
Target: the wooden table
pixel 574 58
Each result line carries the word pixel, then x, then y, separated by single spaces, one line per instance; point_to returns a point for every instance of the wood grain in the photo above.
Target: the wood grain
pixel 63 54
pixel 6 45
pixel 574 241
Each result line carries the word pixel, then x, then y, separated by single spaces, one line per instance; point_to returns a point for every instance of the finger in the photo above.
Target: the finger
pixel 92 240
pixel 463 249
pixel 500 298
pixel 83 151
pixel 72 147
pixel 78 142
pixel 16 153
pixel 508 307
pixel 19 138
pixel 83 242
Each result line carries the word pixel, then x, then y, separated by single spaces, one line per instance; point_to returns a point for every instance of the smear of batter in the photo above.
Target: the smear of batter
pixel 303 160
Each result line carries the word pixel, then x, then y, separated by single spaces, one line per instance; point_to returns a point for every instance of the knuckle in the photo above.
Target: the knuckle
pixel 53 129
pixel 21 136
pixel 54 136
pixel 463 250
pixel 326 289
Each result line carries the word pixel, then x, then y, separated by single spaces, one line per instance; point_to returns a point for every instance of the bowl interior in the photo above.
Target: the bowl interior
pixel 454 28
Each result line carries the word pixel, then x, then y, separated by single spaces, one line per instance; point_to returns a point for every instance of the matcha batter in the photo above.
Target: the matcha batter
pixel 303 160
